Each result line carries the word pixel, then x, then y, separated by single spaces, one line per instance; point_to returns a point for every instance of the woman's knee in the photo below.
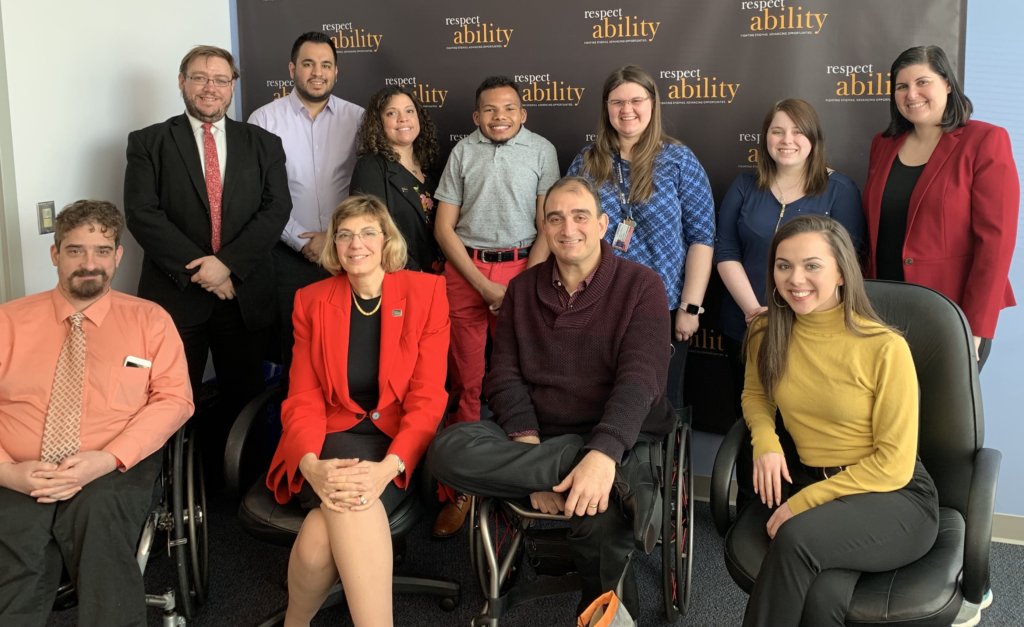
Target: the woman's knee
pixel 312 551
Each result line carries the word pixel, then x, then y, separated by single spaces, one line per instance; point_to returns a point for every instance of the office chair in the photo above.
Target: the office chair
pixel 931 590
pixel 265 519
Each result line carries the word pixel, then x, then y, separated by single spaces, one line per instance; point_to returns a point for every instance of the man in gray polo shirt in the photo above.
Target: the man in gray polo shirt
pixel 491 202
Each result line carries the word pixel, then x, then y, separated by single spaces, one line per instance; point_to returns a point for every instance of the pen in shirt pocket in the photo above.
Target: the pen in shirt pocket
pixel 137 362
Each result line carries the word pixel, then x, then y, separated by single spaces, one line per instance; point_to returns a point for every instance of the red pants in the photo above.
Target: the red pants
pixel 471 319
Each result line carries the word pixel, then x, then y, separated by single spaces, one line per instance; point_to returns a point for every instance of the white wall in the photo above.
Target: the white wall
pixel 992 82
pixel 80 77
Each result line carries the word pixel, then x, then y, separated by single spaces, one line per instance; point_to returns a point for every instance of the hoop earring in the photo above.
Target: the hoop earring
pixel 775 299
pixel 839 296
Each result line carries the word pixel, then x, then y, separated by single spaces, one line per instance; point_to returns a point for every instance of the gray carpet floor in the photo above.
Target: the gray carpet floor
pixel 246 583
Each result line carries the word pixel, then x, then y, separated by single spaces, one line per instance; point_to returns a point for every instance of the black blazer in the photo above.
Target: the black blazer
pixel 168 212
pixel 384 178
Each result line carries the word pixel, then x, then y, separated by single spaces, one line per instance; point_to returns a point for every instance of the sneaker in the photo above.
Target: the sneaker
pixel 970 613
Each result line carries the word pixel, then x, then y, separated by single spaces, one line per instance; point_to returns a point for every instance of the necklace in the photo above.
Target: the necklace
pixel 782 202
pixel 355 301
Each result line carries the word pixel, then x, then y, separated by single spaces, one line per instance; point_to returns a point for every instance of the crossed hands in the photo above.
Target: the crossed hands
pixel 213 276
pixel 346 485
pixel 48 483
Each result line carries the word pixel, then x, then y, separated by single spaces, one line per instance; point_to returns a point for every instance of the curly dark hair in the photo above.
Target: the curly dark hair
pixel 372 140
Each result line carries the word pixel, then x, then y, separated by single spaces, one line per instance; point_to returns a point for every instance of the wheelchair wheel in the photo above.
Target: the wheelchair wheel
pixel 196 524
pixel 677 525
pixel 178 540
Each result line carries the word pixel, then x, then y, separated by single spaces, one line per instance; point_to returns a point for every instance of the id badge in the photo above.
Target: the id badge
pixel 623 233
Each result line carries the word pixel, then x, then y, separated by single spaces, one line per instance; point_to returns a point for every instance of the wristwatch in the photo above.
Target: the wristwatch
pixel 401 466
pixel 693 310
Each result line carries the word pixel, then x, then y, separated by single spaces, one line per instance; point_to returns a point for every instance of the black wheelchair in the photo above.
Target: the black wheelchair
pixel 179 510
pixel 503 534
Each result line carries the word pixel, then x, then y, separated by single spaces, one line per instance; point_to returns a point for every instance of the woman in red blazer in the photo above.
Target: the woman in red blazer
pixel 942 194
pixel 366 394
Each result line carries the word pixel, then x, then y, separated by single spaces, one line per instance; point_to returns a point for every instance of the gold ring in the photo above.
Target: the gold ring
pixel 592 507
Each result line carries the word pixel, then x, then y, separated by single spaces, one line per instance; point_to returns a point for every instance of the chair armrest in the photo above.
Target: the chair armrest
pixel 721 475
pixel 981 504
pixel 241 430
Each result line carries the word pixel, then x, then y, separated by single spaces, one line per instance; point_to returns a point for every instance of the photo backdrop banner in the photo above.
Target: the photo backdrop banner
pixel 719 66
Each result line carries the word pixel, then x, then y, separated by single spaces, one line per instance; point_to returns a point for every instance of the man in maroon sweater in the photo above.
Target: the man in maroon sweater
pixel 577 387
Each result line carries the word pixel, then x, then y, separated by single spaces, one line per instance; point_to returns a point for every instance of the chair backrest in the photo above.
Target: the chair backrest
pixel 952 421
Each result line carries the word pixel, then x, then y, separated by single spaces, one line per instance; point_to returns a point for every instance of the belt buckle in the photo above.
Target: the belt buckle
pixel 490 256
pixel 837 469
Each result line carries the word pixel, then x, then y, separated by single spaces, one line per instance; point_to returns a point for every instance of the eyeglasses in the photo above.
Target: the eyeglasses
pixel 635 102
pixel 200 80
pixel 346 237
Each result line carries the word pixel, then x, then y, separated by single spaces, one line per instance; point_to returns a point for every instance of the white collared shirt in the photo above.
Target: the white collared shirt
pixel 219 138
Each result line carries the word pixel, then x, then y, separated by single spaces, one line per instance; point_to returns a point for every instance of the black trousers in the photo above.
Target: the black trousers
pixel 93 534
pixel 292 271
pixel 813 564
pixel 478 458
pixel 238 361
pixel 676 365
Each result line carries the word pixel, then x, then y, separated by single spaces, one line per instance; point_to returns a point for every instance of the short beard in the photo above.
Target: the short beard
pixel 89 289
pixel 310 98
pixel 191 108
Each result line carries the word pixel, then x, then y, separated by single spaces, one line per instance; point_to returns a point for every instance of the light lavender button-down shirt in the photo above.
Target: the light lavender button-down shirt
pixel 321 155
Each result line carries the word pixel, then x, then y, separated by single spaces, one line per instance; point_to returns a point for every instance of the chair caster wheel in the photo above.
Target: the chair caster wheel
pixel 448 604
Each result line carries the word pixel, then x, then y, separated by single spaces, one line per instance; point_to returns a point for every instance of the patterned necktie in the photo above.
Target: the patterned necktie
pixel 214 189
pixel 63 416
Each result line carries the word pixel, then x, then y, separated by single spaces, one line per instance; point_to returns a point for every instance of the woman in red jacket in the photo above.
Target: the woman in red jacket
pixel 942 194
pixel 366 394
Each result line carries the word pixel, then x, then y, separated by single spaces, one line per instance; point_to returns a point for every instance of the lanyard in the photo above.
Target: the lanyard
pixel 627 207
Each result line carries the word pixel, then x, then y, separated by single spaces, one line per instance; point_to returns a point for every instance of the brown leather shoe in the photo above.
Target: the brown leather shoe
pixel 451 518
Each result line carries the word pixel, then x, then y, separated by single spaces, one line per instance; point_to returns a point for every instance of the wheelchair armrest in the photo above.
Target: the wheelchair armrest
pixel 721 475
pixel 981 505
pixel 241 429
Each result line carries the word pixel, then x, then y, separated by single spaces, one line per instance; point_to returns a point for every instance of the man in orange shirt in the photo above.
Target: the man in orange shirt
pixel 84 509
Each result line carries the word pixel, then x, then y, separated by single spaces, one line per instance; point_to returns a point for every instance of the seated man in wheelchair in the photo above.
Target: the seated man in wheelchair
pixel 577 387
pixel 92 384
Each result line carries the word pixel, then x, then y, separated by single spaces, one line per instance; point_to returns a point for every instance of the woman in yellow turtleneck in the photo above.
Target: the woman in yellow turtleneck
pixel 858 498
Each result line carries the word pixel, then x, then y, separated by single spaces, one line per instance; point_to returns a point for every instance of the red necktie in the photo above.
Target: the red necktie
pixel 214 189
pixel 64 413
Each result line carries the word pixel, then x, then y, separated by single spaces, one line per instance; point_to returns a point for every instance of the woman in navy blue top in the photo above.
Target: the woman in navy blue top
pixel 791 180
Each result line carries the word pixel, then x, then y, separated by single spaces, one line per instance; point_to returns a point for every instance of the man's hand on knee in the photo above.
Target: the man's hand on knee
pixel 74 473
pixel 589 485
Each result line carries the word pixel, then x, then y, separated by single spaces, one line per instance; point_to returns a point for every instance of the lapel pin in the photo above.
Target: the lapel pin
pixel 396 313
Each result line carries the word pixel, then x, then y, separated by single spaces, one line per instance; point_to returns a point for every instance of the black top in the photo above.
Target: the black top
pixel 892 220
pixel 364 354
pixel 410 203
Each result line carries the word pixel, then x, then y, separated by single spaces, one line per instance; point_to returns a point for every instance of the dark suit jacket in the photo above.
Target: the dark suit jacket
pixel 414 331
pixel 384 178
pixel 168 212
pixel 962 219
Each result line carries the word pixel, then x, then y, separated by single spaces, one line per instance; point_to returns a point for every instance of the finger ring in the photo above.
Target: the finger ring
pixel 592 507
pixel 362 500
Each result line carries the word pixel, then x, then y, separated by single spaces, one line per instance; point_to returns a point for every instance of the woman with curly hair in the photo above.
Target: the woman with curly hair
pixel 397 144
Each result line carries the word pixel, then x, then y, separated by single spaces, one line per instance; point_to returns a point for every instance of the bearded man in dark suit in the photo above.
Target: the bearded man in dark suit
pixel 207 198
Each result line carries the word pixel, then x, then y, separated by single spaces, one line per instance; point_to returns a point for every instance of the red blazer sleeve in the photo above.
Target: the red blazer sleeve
pixel 995 204
pixel 421 393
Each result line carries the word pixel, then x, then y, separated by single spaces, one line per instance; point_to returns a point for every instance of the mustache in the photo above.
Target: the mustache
pixel 85 273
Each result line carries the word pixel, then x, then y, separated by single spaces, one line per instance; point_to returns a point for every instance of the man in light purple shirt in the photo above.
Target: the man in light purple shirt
pixel 318 131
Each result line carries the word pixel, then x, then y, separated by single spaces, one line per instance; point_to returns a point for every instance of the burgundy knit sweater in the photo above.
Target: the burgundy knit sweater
pixel 597 368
